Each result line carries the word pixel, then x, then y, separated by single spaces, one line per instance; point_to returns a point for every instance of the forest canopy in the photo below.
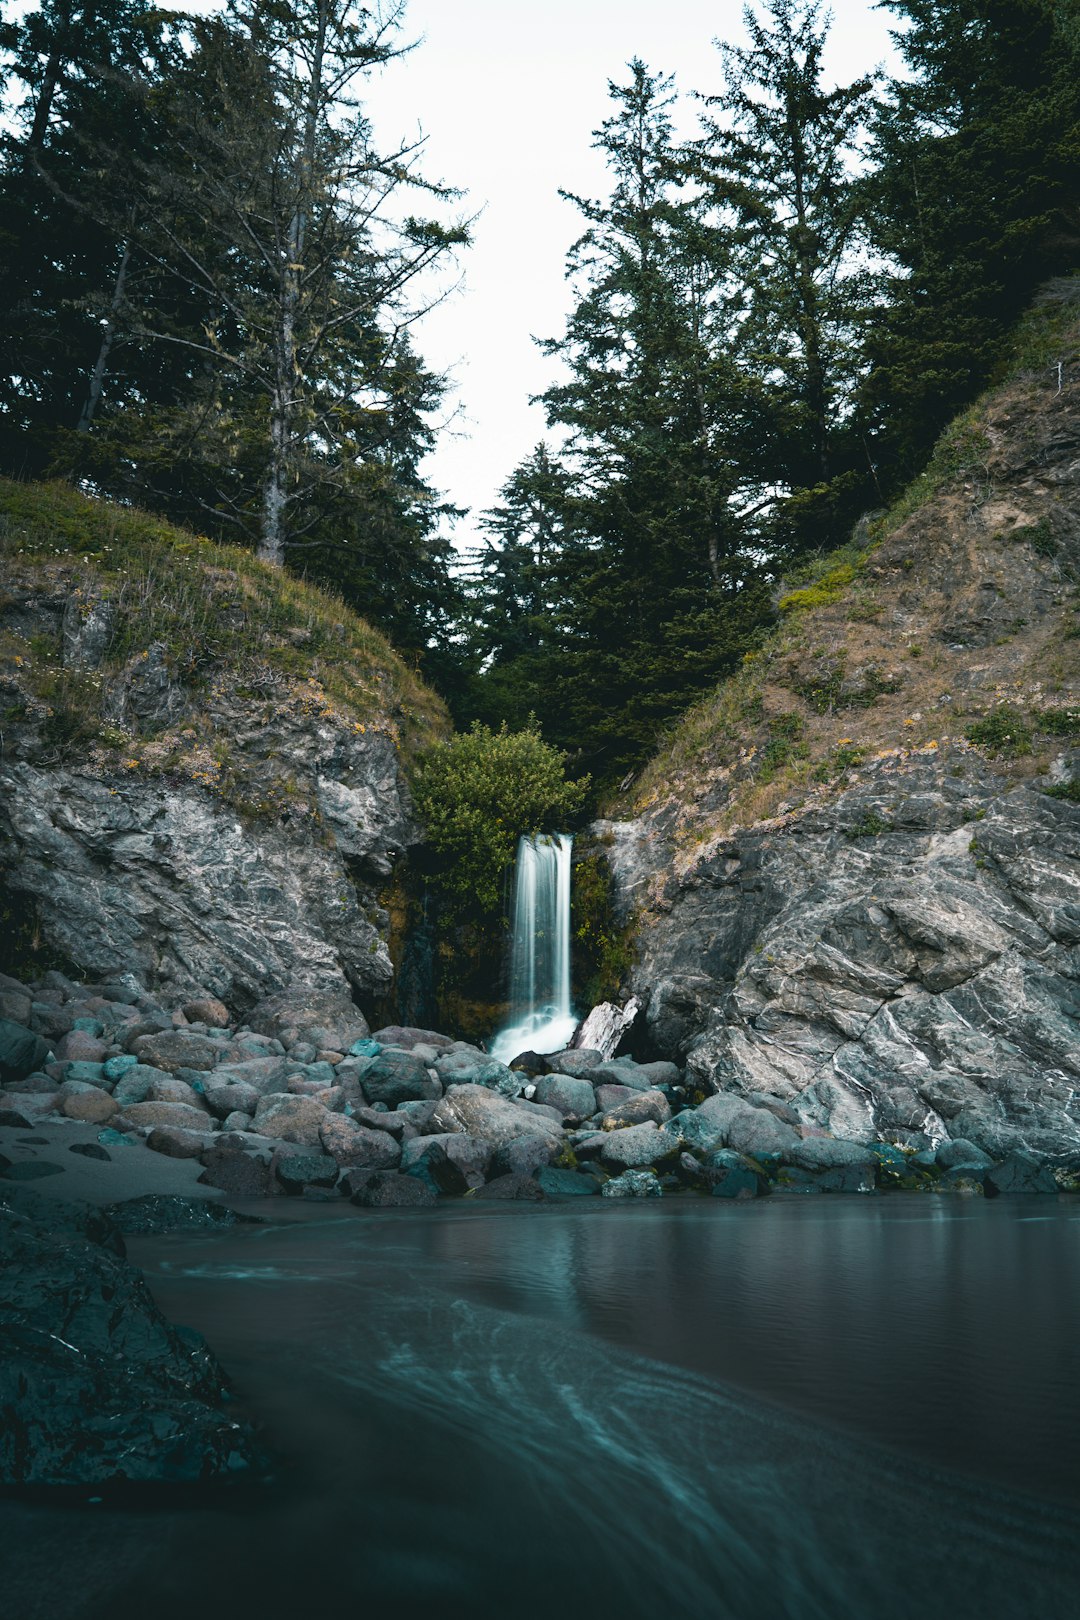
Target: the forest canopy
pixel 212 275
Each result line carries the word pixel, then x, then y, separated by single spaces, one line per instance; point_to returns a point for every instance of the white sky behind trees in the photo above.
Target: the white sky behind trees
pixel 507 93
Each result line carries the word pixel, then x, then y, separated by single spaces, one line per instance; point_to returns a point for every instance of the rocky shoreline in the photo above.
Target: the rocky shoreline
pixel 104 1088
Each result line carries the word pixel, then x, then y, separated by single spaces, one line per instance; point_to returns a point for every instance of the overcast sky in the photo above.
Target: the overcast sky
pixel 508 93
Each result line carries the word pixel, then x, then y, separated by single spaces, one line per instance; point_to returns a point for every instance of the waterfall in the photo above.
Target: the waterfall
pixel 539 950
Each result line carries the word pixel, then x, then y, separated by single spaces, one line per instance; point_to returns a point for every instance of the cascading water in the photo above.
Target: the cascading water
pixel 540 950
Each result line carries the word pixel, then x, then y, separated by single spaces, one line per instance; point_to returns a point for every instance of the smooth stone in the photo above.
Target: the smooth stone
pixel 637 1146
pixel 514 1187
pixel 387 1190
pixel 572 1099
pixel 290 1118
pixel 295 1171
pixel 174 1144
pixel 396 1076
pixel 93 1107
pixel 632 1184
pixel 90 1150
pixel 351 1144
pixel 31 1170
pixel 557 1183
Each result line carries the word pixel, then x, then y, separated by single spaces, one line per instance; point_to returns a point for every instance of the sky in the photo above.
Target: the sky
pixel 507 93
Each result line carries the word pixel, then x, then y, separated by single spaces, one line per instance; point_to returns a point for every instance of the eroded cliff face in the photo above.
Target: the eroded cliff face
pixel 855 876
pixel 205 821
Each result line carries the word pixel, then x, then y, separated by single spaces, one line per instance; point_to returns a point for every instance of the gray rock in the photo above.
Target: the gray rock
pixel 638 1107
pixel 296 1171
pixel 225 1096
pixel 289 1119
pixel 353 1145
pixel 406 1037
pixel 636 1146
pixel 572 1099
pixel 523 1156
pixel 957 1151
pixel 827 1153
pixel 633 1184
pixel 135 1083
pixel 21 1051
pixel 579 1062
pixel 175 1144
pixel 177 1049
pixel 396 1076
pixel 555 1183
pixel 622 1072
pixel 761 1134
pixel 453 1163
pixel 166 1114
pixel 511 1187
pixel 92 1106
pixel 472 1067
pixel 385 1190
pixel 1019 1173
pixel 478 1112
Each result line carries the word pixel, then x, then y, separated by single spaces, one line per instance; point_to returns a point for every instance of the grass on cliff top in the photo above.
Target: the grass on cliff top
pixel 213 607
pixel 716 729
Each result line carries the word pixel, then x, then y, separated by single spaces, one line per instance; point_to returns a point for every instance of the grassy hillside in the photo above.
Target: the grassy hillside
pixel 951 622
pixel 243 645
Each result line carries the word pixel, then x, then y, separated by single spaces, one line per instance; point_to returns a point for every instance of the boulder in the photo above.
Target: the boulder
pixel 577 1062
pixel 214 1014
pixel 829 1153
pixel 175 1144
pixel 606 1025
pixel 178 1049
pixel 326 1016
pixel 294 1172
pixel 760 1134
pixel 478 1112
pixel 637 1146
pixel 354 1145
pixel 474 1068
pixel 167 1113
pixel 1019 1173
pixel 521 1188
pixel 957 1151
pixel 728 1174
pixel 21 1051
pixel 92 1106
pixel 290 1119
pixel 396 1076
pixel 105 1388
pixel 387 1190
pixel 406 1037
pixel 136 1082
pixel 523 1156
pixel 638 1107
pixel 228 1096
pixel 239 1174
pixel 572 1099
pixel 454 1163
pixel 79 1046
pixel 556 1183
pixel 623 1072
pixel 632 1184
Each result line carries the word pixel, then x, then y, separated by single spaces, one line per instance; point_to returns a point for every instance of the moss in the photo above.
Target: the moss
pixel 213 608
pixel 603 952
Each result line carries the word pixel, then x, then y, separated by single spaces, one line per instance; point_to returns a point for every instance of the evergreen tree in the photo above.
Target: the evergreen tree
pixel 660 594
pixel 779 160
pixel 976 198
pixel 77 84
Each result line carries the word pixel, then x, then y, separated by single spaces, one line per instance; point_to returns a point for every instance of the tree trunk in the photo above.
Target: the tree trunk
pixel 97 376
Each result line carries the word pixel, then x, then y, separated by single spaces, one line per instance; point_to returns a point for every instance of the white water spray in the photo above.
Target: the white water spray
pixel 540 950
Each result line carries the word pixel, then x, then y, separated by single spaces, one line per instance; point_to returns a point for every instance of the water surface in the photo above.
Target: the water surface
pixel 810 1410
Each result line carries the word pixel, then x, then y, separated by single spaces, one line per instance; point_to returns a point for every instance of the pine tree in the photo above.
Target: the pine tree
pixel 778 157
pixel 976 199
pixel 659 590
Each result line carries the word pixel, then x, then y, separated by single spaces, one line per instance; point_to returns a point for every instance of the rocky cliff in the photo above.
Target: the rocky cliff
pixel 854 871
pixel 201 781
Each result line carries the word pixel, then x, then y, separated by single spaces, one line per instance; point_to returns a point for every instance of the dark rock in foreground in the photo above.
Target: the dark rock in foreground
pixel 96 1387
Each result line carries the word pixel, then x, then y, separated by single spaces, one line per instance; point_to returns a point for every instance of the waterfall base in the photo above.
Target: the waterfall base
pixel 544 1031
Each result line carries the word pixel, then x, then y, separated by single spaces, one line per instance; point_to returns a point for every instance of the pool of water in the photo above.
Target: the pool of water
pixel 814 1409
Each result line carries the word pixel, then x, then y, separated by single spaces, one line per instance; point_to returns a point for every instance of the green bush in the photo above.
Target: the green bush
pixel 477 795
pixel 1003 731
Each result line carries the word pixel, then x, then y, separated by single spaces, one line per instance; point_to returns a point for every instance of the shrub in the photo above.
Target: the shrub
pixel 477 795
pixel 1003 731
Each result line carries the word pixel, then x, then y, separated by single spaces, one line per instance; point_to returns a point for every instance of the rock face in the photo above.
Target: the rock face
pixel 169 884
pixel 913 983
pixel 213 814
pixel 96 1386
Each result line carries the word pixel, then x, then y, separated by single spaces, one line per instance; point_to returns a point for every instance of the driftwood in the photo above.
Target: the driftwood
pixel 604 1028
